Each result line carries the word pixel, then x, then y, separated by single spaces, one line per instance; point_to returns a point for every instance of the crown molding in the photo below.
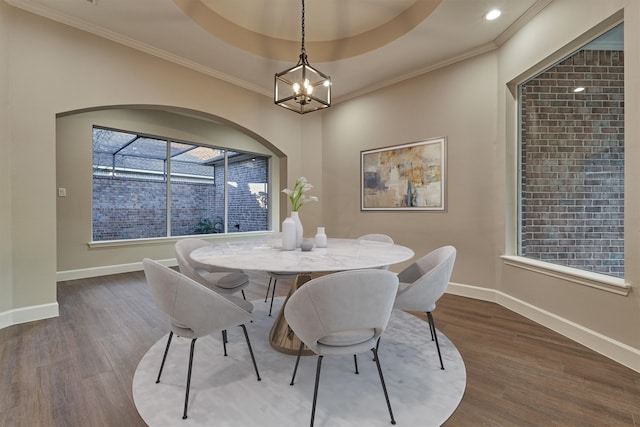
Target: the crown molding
pixel 134 44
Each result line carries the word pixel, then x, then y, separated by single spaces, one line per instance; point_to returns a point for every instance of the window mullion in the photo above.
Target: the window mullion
pixel 226 191
pixel 167 166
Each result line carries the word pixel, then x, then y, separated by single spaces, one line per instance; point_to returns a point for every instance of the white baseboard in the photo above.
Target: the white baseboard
pixel 475 292
pixel 28 314
pixel 46 311
pixel 85 273
pixel 615 350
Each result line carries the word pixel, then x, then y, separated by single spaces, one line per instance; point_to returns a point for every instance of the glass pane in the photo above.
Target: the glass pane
pixel 248 193
pixel 129 196
pixel 196 160
pixel 109 141
pixel 572 160
pixel 197 202
pixel 148 148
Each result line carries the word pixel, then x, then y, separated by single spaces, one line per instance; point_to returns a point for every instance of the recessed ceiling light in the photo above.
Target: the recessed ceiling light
pixel 492 14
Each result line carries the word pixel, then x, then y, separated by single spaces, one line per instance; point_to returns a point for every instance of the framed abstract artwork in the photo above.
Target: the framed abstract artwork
pixel 405 177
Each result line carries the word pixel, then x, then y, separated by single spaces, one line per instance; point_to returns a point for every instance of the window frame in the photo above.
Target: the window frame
pixel 513 223
pixel 168 237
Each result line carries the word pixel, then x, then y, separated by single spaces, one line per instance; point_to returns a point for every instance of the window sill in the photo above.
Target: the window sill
pixel 593 280
pixel 160 240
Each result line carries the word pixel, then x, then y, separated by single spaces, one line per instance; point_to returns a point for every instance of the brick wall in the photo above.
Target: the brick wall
pixel 245 212
pixel 572 206
pixel 130 208
pixel 192 202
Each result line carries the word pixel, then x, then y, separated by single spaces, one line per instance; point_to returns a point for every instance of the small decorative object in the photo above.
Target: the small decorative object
pixel 288 234
pixel 405 177
pixel 306 245
pixel 321 238
pixel 298 198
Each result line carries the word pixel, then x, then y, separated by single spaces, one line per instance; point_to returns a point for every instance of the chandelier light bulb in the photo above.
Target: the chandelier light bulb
pixel 308 87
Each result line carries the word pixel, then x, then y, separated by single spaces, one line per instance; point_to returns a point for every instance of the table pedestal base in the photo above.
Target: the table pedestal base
pixel 281 337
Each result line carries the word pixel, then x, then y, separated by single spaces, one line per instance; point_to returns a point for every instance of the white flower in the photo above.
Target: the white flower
pixel 297 196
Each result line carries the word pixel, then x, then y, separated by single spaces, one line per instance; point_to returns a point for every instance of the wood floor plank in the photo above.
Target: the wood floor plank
pixel 77 369
pixel 563 382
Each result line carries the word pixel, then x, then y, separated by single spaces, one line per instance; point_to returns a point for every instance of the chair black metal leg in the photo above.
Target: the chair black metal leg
pixel 266 296
pixel 243 295
pixel 295 369
pixel 186 396
pixel 434 334
pixel 224 341
pixel 384 387
pixel 315 390
pixel 166 350
pixel 377 346
pixel 355 361
pixel 273 294
pixel 430 326
pixel 253 359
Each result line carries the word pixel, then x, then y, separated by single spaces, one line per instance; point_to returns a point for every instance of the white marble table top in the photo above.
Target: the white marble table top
pixel 268 255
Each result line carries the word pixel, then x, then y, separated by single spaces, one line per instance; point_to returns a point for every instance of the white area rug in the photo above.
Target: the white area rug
pixel 225 392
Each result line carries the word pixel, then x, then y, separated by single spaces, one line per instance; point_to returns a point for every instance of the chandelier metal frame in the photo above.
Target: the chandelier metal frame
pixel 302 88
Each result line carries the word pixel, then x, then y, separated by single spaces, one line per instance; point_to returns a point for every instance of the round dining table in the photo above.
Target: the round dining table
pixel 268 255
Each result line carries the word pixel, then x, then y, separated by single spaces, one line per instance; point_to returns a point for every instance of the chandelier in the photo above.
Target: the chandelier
pixel 302 88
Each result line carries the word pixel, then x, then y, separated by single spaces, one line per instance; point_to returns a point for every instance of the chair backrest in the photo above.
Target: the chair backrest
pixel 428 278
pixel 187 266
pixel 184 247
pixel 195 311
pixel 341 302
pixel 376 237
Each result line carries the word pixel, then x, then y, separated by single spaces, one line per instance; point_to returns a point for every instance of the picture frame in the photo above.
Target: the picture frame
pixel 406 177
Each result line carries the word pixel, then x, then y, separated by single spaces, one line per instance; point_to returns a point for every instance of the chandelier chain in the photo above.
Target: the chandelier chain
pixel 302 49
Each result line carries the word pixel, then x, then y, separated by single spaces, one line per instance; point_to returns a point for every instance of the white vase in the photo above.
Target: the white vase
pixel 321 238
pixel 299 229
pixel 288 234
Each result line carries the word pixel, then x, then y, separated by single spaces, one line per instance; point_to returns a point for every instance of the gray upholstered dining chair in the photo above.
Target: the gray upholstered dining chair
pixel 223 281
pixel 423 283
pixel 273 278
pixel 378 237
pixel 342 314
pixel 194 312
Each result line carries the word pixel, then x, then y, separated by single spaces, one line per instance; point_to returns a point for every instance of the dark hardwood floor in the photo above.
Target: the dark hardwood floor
pixel 77 369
